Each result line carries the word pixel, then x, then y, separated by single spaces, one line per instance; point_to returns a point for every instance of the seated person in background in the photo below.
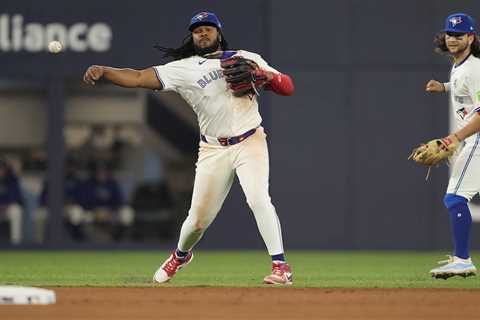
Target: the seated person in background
pixel 11 201
pixel 154 211
pixel 75 216
pixel 104 200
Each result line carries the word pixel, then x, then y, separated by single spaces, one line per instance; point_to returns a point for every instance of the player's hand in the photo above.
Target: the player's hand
pixel 434 86
pixel 92 74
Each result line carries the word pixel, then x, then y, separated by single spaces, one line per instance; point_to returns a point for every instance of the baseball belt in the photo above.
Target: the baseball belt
pixel 227 141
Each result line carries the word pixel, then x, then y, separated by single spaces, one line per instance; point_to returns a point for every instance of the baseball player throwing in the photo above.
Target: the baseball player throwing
pixel 221 87
pixel 461 43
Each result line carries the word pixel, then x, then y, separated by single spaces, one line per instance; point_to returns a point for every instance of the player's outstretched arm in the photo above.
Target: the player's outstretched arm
pixel 435 86
pixel 128 78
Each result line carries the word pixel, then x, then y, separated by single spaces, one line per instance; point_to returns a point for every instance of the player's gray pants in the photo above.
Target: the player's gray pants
pixel 216 167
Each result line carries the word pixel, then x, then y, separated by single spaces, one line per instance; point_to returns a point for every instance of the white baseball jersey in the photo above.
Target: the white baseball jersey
pixel 464 90
pixel 201 83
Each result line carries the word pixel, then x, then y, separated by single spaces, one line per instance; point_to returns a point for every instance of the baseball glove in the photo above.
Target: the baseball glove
pixel 243 76
pixel 434 152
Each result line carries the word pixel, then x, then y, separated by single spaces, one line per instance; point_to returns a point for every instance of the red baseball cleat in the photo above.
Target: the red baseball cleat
pixel 170 267
pixel 281 274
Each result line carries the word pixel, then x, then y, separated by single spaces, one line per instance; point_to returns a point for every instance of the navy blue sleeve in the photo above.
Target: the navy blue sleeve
pixel 118 199
pixel 86 195
pixel 76 192
pixel 14 191
pixel 42 200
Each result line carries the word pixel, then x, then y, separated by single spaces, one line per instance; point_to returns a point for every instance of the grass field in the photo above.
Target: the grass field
pixel 226 269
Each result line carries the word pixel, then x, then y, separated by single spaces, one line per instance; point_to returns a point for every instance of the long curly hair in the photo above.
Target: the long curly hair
pixel 187 49
pixel 441 45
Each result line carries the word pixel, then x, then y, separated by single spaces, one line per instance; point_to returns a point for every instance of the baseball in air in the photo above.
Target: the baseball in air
pixel 54 47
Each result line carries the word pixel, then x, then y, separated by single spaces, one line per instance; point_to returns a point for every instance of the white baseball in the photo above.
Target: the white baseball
pixel 54 46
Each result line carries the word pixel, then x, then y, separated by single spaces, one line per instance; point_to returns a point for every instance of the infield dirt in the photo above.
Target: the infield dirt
pixel 252 303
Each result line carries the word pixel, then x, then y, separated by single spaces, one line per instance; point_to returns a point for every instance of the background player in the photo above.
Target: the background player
pixel 11 201
pixel 461 43
pixel 232 140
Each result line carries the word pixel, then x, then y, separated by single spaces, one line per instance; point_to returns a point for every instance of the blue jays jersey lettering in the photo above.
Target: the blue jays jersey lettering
pixel 208 78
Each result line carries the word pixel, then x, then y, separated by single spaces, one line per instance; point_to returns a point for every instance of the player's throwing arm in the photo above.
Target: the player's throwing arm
pixel 128 78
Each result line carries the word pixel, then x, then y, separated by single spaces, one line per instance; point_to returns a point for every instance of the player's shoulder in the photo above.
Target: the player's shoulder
pixel 472 67
pixel 248 54
pixel 474 61
pixel 183 62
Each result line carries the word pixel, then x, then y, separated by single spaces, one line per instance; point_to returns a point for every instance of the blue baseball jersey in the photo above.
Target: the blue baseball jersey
pixel 106 194
pixel 73 191
pixel 10 190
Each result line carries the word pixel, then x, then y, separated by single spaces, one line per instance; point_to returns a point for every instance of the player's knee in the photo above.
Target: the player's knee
pixel 259 203
pixel 452 200
pixel 126 216
pixel 14 212
pixel 199 225
pixel 75 215
pixel 200 218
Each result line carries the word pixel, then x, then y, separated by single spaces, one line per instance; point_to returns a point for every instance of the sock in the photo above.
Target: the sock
pixel 460 222
pixel 180 254
pixel 278 257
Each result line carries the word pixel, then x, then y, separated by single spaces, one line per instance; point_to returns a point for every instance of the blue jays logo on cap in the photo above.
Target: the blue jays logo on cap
pixel 455 20
pixel 459 22
pixel 201 16
pixel 204 18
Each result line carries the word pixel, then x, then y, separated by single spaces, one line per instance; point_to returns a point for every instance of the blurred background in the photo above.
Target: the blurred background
pixel 340 178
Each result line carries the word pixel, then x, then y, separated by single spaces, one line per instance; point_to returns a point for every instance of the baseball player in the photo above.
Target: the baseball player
pixel 461 43
pixel 232 140
pixel 11 201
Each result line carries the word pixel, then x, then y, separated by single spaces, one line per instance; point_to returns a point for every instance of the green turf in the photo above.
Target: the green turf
pixel 233 268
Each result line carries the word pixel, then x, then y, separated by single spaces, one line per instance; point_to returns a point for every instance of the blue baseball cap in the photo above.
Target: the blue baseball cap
pixel 459 22
pixel 205 18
